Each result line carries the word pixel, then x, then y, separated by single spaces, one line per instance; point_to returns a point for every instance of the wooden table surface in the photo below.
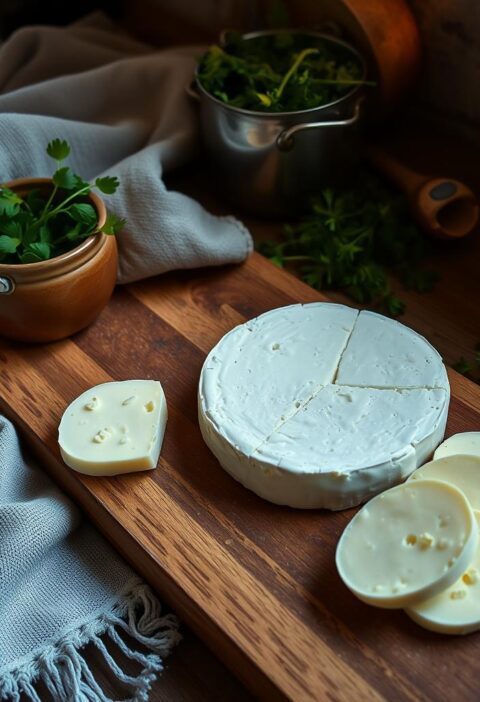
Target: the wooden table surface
pixel 450 318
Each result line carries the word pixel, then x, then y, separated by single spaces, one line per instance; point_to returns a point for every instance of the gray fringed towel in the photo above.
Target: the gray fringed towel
pixel 62 587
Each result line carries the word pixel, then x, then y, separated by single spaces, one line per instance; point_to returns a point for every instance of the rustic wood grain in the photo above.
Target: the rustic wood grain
pixel 254 580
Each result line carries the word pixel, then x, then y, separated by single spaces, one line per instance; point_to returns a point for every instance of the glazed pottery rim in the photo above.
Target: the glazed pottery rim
pixel 310 110
pixel 88 246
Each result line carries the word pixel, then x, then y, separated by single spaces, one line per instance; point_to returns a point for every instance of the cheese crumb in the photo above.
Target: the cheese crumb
pixel 425 541
pixel 92 405
pixel 102 435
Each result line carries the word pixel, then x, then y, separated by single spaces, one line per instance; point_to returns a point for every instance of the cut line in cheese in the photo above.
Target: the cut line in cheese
pixel 275 412
pixel 466 443
pixel 408 544
pixel 114 428
pixel 286 343
pixel 456 610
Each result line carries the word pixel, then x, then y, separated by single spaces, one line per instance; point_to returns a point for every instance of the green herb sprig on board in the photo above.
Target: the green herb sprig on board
pixel 470 368
pixel 34 228
pixel 352 239
pixel 279 72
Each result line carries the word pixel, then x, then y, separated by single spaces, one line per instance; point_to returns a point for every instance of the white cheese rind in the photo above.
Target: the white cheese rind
pixel 355 442
pixel 330 456
pixel 261 371
pixel 466 443
pixel 114 428
pixel 456 610
pixel 384 353
pixel 408 544
pixel 463 471
pixel 350 428
pixel 278 424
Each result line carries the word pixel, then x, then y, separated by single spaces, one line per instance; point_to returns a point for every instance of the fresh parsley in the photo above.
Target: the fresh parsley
pixel 283 71
pixel 469 368
pixel 352 239
pixel 36 228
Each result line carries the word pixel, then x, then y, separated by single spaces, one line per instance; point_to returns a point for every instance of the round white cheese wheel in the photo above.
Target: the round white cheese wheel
pixel 460 470
pixel 456 610
pixel 318 405
pixel 467 443
pixel 407 544
pixel 114 428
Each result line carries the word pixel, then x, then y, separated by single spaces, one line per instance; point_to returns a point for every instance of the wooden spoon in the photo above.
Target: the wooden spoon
pixel 444 208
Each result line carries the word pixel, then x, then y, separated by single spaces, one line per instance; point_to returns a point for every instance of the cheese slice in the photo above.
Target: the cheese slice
pixel 408 544
pixel 456 610
pixel 384 353
pixel 460 470
pixel 114 428
pixel 466 443
pixel 273 410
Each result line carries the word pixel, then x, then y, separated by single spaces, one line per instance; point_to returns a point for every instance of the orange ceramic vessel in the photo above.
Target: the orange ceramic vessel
pixel 52 299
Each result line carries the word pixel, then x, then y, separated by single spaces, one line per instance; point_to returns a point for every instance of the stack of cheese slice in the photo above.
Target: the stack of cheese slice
pixel 457 609
pixel 416 546
pixel 318 405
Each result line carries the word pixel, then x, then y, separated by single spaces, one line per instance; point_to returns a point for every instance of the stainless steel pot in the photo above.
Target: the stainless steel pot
pixel 272 163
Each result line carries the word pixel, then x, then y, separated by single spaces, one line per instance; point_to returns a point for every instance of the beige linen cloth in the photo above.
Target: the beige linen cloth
pixel 122 107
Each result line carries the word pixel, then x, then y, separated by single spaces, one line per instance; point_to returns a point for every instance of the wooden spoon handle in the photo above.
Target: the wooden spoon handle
pixel 404 178
pixel 444 208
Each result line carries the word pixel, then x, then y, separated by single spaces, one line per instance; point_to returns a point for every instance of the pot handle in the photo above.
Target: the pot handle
pixel 286 138
pixel 7 285
pixel 192 92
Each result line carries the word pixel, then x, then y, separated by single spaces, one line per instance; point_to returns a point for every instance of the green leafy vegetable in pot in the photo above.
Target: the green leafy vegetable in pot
pixel 34 228
pixel 352 239
pixel 280 72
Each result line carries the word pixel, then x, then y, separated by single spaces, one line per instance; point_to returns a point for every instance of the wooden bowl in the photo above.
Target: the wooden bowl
pixel 53 299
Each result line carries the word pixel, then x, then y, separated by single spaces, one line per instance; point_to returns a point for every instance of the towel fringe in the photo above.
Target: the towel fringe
pixel 67 675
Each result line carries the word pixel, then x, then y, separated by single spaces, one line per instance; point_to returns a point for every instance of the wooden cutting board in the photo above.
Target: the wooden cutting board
pixel 256 581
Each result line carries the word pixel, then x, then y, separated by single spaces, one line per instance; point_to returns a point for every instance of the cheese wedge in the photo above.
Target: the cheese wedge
pixel 114 428
pixel 276 410
pixel 456 610
pixel 467 442
pixel 264 370
pixel 408 544
pixel 460 470
pixel 397 356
